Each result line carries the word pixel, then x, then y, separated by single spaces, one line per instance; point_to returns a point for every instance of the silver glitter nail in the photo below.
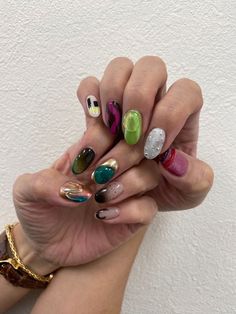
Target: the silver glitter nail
pixel 154 143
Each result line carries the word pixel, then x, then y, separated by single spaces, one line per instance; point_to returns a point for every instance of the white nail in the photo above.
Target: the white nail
pixel 93 106
pixel 154 143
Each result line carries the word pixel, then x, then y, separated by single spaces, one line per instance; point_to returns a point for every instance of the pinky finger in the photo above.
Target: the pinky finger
pixel 132 211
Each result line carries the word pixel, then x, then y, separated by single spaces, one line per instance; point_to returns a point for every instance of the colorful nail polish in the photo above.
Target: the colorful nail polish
pixel 83 160
pixel 110 192
pixel 132 126
pixel 108 213
pixel 75 192
pixel 103 173
pixel 93 106
pixel 174 162
pixel 113 117
pixel 154 143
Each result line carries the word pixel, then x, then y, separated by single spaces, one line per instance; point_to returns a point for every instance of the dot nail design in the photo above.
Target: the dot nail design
pixel 154 143
pixel 93 106
pixel 105 172
pixel 108 193
pixel 113 116
pixel 75 192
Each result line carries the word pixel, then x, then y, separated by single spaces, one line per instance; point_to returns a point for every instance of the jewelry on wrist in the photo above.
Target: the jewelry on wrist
pixel 15 271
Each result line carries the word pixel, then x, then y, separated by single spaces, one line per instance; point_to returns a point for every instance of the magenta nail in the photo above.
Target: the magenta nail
pixel 174 162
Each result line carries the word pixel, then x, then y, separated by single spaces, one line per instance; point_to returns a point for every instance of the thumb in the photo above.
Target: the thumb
pixel 187 174
pixel 52 187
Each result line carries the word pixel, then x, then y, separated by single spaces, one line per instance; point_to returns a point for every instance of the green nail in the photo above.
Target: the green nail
pixel 105 172
pixel 83 160
pixel 132 126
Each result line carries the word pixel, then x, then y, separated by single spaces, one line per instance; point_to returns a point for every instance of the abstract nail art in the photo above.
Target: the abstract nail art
pixel 105 172
pixel 75 192
pixel 132 126
pixel 83 160
pixel 174 162
pixel 113 116
pixel 93 106
pixel 108 193
pixel 154 143
pixel 108 213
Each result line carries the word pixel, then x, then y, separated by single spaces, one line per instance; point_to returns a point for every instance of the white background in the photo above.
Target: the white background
pixel 187 261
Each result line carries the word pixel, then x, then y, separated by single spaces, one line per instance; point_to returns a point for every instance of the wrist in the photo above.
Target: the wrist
pixel 29 256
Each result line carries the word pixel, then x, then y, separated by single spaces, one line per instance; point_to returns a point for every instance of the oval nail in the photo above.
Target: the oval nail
pixel 93 106
pixel 75 192
pixel 107 213
pixel 83 160
pixel 105 172
pixel 113 116
pixel 154 143
pixel 108 193
pixel 132 126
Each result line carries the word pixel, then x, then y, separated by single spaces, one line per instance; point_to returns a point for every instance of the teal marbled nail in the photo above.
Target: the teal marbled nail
pixel 105 172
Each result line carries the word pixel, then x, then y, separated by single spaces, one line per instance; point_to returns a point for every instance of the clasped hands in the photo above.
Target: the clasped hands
pixel 137 156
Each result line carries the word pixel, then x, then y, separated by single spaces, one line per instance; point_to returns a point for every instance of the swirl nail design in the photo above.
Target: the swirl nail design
pixel 75 192
pixel 113 117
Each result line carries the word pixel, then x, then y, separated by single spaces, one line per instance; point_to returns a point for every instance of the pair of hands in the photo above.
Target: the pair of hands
pixel 66 233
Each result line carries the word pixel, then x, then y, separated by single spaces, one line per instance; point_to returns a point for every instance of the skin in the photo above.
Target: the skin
pixel 64 225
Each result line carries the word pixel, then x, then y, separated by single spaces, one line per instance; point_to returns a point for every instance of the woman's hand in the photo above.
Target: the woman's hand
pixel 67 233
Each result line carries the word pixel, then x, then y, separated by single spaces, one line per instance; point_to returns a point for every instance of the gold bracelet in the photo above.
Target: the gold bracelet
pixel 16 262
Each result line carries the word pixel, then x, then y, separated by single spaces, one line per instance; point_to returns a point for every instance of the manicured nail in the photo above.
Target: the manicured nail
pixel 154 143
pixel 108 213
pixel 75 192
pixel 174 162
pixel 132 126
pixel 83 160
pixel 110 192
pixel 103 173
pixel 93 106
pixel 113 117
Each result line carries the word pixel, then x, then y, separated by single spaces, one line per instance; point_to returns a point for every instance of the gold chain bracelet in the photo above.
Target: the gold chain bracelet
pixel 16 262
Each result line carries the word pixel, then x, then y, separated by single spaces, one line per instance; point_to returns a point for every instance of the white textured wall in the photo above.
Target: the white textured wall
pixel 188 260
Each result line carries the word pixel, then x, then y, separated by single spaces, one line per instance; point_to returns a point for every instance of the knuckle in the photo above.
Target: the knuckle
pixel 192 87
pixel 85 84
pixel 41 181
pixel 139 94
pixel 155 60
pixel 121 61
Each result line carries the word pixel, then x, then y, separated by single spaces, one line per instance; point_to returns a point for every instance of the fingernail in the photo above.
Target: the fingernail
pixel 113 116
pixel 174 162
pixel 93 106
pixel 112 191
pixel 132 126
pixel 75 192
pixel 83 160
pixel 103 173
pixel 154 143
pixel 108 213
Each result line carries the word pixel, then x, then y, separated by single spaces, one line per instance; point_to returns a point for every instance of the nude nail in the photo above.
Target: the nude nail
pixel 107 213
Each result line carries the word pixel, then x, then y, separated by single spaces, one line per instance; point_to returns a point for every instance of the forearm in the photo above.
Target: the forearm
pixel 94 288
